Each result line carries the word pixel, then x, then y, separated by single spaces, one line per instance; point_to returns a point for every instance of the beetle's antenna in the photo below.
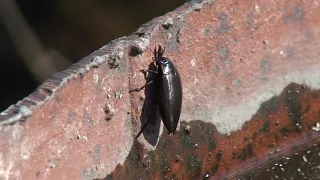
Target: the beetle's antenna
pixel 155 52
pixel 152 52
pixel 160 51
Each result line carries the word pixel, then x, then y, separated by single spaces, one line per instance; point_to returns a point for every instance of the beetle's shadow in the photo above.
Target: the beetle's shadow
pixel 150 110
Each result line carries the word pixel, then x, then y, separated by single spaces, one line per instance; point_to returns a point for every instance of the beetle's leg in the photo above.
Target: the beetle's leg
pixel 149 81
pixel 142 129
pixel 139 89
pixel 144 71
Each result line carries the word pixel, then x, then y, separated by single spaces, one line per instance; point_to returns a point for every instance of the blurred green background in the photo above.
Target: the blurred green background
pixel 40 37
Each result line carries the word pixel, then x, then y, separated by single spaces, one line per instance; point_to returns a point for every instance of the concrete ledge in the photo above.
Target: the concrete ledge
pixel 250 73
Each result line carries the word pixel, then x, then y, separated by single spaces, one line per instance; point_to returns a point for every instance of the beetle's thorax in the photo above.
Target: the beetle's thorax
pixel 165 65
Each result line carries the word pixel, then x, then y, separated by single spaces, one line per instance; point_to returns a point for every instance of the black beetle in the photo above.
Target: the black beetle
pixel 169 91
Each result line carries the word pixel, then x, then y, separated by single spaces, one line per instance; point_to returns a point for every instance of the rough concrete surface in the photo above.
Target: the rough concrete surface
pixel 250 76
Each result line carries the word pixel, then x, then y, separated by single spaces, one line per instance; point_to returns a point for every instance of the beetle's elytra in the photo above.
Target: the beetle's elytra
pixel 169 91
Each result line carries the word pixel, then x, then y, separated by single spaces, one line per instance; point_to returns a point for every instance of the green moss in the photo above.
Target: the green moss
pixel 284 131
pixel 165 167
pixel 307 109
pixel 234 155
pixel 247 152
pixel 243 155
pixel 299 126
pixel 167 144
pixel 294 106
pixel 254 135
pixel 266 127
pixel 245 126
pixel 194 165
pixel 202 138
pixel 174 176
pixel 270 145
pixel 250 150
pixel 109 177
pixel 186 140
pixel 215 168
pixel 219 155
pixel 212 143
pixel 37 174
pixel 269 106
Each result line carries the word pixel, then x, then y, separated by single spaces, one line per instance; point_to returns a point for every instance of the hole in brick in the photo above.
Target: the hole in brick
pixel 109 112
pixel 134 51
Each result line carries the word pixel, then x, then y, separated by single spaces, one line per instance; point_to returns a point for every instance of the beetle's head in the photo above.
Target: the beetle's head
pixel 163 63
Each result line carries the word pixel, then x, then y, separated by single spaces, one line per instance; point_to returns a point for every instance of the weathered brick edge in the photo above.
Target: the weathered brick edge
pixel 24 108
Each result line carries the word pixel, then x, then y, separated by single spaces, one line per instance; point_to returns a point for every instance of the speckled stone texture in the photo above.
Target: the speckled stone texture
pixel 251 80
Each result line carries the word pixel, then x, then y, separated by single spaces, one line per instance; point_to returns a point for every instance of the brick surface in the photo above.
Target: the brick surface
pixel 250 87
